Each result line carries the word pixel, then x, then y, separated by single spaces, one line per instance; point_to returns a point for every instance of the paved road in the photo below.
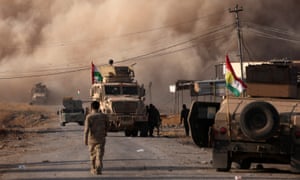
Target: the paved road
pixel 58 153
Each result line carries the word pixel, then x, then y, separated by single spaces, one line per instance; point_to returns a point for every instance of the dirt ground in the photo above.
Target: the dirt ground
pixel 18 120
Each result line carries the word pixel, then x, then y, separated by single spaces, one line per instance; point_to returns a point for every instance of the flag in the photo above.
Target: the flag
pixel 233 83
pixel 96 75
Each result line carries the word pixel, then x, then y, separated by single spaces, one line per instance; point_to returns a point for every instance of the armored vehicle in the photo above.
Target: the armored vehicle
pixel 71 112
pixel 39 94
pixel 263 126
pixel 122 99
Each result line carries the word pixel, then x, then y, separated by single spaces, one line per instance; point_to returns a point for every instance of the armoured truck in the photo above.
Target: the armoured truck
pixel 122 99
pixel 39 94
pixel 72 111
pixel 261 127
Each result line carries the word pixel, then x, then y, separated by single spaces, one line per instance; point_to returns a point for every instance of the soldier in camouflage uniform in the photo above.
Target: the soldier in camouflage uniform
pixel 95 131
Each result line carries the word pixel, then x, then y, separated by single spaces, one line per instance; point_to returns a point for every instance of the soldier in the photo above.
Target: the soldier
pixel 95 131
pixel 153 119
pixel 184 117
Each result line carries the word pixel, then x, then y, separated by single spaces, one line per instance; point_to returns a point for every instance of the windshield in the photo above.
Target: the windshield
pixel 112 90
pixel 130 90
pixel 118 90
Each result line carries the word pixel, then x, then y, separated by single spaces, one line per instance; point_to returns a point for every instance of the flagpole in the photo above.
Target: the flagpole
pixel 228 117
pixel 92 72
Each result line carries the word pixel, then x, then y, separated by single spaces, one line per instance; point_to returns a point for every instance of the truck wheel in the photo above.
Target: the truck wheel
pixel 144 131
pixel 81 123
pixel 127 133
pixel 134 132
pixel 259 120
pixel 245 164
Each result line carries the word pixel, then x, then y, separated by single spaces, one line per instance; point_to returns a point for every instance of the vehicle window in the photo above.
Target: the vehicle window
pixel 130 90
pixel 112 90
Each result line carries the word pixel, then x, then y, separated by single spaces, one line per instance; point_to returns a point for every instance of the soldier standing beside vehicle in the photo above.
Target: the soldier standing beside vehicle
pixel 153 119
pixel 184 117
pixel 95 131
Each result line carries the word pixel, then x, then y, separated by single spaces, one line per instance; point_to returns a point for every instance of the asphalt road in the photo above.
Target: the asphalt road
pixel 59 153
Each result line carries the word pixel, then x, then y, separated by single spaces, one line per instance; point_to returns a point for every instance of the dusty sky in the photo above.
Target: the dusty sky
pixel 40 39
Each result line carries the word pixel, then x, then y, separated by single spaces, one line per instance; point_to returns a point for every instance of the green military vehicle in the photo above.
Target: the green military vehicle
pixel 262 127
pixel 71 112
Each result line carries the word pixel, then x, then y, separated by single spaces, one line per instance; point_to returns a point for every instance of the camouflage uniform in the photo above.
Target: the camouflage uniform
pixel 95 131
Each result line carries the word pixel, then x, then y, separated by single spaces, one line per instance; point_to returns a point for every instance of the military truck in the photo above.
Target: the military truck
pixel 261 127
pixel 39 94
pixel 71 112
pixel 122 99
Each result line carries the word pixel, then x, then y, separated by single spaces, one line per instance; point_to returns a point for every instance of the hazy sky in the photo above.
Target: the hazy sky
pixel 167 39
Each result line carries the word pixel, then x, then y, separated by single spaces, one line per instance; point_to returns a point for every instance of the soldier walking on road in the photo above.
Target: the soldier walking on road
pixel 95 131
pixel 184 117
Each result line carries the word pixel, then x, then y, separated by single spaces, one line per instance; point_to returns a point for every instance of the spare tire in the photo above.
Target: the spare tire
pixel 259 120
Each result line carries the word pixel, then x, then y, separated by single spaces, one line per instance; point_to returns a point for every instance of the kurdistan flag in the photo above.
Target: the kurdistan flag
pixel 96 76
pixel 233 83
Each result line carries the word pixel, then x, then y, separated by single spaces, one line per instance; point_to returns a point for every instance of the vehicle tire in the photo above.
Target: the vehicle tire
pixel 127 133
pixel 245 164
pixel 259 120
pixel 144 131
pixel 135 133
pixel 81 123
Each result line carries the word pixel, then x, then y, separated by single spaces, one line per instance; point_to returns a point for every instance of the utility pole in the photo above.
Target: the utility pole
pixel 150 95
pixel 236 10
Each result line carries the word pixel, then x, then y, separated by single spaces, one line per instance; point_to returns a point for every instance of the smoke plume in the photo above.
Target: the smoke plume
pixel 54 41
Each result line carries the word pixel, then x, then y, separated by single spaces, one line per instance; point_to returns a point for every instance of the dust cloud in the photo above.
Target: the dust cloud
pixel 54 41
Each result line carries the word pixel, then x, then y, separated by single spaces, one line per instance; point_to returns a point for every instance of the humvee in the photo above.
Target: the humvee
pixel 261 127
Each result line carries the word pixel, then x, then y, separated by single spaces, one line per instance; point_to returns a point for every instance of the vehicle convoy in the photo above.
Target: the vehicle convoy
pixel 39 94
pixel 122 99
pixel 262 127
pixel 71 112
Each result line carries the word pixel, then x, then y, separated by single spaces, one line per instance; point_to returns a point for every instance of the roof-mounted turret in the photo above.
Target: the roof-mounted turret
pixel 113 73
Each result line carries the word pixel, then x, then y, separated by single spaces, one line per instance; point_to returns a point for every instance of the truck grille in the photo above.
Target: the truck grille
pixel 124 107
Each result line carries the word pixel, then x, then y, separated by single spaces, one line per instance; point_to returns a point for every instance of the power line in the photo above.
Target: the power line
pixel 41 75
pixel 272 36
pixel 142 56
pixel 223 27
pixel 271 29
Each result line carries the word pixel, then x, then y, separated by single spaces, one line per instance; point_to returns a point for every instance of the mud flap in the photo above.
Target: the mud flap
pixel 295 160
pixel 221 161
pixel 295 155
